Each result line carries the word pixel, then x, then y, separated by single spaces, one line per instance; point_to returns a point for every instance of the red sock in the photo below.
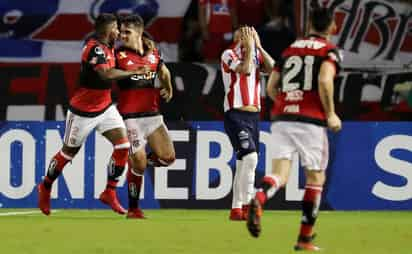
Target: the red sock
pixel 310 209
pixel 134 185
pixel 56 166
pixel 118 162
pixel 269 186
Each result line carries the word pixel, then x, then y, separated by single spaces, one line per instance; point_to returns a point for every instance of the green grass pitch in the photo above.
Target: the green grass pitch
pixel 199 231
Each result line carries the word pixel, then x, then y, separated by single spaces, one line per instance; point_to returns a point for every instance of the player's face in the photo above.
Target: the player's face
pixel 129 34
pixel 113 32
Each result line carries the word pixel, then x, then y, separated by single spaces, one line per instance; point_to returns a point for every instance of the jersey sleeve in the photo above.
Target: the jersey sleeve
pixel 335 56
pixel 230 59
pixel 97 58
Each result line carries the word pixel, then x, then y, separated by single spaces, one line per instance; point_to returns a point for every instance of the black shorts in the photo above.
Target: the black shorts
pixel 242 127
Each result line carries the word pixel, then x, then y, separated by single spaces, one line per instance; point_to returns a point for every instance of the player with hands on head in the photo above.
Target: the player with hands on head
pixel 241 64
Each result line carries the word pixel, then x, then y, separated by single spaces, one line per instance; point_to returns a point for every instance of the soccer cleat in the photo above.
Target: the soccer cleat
pixel 245 209
pixel 109 197
pixel 43 199
pixel 305 243
pixel 253 218
pixel 306 247
pixel 135 213
pixel 236 214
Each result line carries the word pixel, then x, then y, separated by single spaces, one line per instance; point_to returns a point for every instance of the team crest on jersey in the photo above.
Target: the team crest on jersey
pixel 122 55
pixel 151 58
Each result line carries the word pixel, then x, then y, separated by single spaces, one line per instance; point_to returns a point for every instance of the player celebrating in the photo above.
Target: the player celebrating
pixel 91 108
pixel 240 66
pixel 139 101
pixel 304 107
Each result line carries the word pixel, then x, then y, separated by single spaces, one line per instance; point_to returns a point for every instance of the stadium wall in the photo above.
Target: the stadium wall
pixel 370 168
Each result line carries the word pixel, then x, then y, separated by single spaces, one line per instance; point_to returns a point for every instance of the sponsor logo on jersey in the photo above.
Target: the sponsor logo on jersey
pixel 151 58
pixel 130 62
pixel 98 51
pixel 294 108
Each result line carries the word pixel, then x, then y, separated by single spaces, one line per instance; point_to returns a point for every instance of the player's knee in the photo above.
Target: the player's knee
pixel 167 158
pixel 315 177
pixel 162 160
pixel 139 162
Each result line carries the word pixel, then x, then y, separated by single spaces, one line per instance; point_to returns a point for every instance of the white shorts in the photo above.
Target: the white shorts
pixel 138 129
pixel 79 127
pixel 308 140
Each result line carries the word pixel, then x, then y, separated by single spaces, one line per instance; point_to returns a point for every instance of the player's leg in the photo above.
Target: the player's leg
pixel 77 129
pixel 112 127
pixel 310 208
pixel 313 149
pixel 135 174
pixel 249 157
pixel 233 130
pixel 270 184
pixel 136 132
pixel 163 152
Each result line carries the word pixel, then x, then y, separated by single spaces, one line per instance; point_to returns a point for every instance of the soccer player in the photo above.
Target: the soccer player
pixel 91 108
pixel 139 101
pixel 241 65
pixel 302 84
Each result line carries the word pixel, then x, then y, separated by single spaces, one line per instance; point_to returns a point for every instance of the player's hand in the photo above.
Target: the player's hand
pixel 166 94
pixel 246 35
pixel 256 38
pixel 334 122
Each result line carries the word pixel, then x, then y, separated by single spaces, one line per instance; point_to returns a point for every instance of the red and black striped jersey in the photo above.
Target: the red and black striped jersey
pixel 93 96
pixel 138 95
pixel 299 67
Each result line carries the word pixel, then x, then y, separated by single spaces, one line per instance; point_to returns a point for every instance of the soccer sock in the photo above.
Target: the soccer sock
pixel 247 185
pixel 55 168
pixel 237 192
pixel 269 186
pixel 134 185
pixel 310 209
pixel 117 162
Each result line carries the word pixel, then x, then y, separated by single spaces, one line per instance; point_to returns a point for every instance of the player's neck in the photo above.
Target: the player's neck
pixel 319 34
pixel 103 39
pixel 139 47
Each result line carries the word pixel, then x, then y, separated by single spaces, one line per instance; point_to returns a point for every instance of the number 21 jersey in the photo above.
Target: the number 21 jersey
pixel 299 68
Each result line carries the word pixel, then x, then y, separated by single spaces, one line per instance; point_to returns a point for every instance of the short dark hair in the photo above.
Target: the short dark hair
pixel 103 20
pixel 132 19
pixel 321 18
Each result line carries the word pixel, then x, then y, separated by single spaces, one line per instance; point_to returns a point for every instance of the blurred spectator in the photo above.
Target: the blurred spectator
pixel 253 12
pixel 217 18
pixel 190 43
pixel 277 33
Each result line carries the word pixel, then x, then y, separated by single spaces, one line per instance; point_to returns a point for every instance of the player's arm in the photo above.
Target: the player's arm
pixel 326 77
pixel 117 74
pixel 268 61
pixel 165 81
pixel 272 84
pixel 246 65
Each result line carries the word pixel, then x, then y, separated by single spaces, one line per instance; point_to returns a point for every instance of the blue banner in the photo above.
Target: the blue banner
pixel 370 168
